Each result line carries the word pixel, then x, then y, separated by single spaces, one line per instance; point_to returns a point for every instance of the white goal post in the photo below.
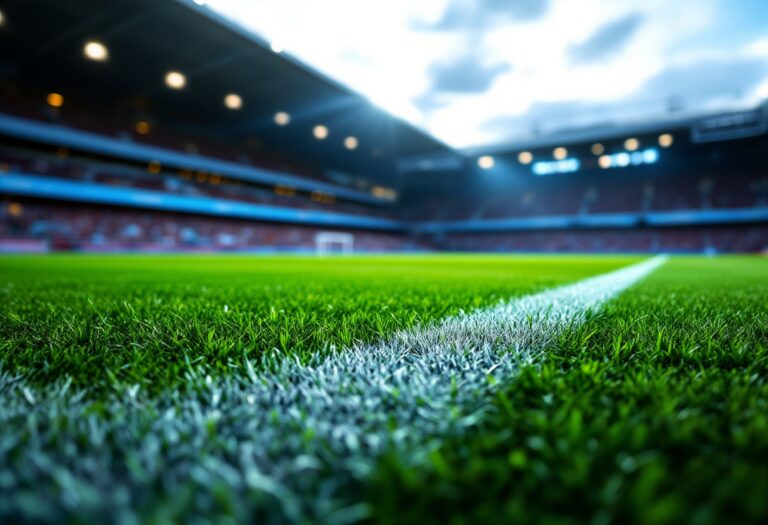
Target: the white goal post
pixel 334 242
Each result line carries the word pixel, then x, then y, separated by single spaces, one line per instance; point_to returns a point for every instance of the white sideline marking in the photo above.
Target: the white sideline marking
pixel 275 431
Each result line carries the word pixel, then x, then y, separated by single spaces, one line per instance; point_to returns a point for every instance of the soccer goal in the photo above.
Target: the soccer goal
pixel 334 242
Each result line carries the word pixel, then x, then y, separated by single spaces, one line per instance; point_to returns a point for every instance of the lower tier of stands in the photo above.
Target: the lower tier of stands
pixel 46 226
pixel 34 225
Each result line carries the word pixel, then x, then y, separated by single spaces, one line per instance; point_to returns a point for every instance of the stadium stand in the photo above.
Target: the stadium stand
pixel 92 155
pixel 43 226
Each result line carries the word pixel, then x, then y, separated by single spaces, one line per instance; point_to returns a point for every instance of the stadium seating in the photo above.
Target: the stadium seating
pixel 64 226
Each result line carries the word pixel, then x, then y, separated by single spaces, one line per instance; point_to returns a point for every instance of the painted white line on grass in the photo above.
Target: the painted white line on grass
pixel 303 434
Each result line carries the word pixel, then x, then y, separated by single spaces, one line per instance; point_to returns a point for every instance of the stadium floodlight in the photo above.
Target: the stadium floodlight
pixel 276 47
pixel 282 118
pixel 560 153
pixel 525 157
pixel 55 100
pixel 605 161
pixel 651 156
pixel 631 144
pixel 486 162
pixel 350 143
pixel 598 149
pixel 320 132
pixel 233 101
pixel 666 140
pixel 175 80
pixel 143 127
pixel 622 159
pixel 567 165
pixel 95 51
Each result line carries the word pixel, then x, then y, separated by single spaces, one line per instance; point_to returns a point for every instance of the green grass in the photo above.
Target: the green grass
pixel 139 319
pixel 653 411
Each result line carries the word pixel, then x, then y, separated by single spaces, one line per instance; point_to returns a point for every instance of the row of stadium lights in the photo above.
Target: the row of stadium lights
pixel 98 52
pixel 665 140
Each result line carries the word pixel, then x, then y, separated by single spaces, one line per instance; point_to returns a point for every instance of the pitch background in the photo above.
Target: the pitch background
pixel 653 410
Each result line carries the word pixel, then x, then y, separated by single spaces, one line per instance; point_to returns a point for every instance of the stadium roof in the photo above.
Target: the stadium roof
pixel 42 49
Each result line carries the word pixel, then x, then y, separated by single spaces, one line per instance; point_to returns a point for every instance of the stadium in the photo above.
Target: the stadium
pixel 468 261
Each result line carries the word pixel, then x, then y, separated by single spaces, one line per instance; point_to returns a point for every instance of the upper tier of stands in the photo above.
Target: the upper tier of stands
pixel 64 165
pixel 144 130
pixel 609 192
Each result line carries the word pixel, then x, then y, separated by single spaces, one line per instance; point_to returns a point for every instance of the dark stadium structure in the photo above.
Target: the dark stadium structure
pixel 179 131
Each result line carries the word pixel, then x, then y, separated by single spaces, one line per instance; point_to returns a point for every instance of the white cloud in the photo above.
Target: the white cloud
pixel 379 50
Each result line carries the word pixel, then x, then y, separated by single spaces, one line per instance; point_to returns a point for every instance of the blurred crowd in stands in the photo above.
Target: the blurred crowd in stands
pixel 61 226
pixel 606 192
pixel 66 165
pixel 36 225
pixel 143 130
pixel 703 239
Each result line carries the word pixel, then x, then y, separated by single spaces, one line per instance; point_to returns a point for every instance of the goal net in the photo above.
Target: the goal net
pixel 334 242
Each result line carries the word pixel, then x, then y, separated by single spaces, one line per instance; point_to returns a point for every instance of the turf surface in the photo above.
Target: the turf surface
pixel 654 411
pixel 141 319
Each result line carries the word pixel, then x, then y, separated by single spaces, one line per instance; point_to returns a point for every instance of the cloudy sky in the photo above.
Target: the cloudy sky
pixel 477 72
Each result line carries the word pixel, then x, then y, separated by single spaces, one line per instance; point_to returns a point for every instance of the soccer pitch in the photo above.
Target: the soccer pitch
pixel 387 389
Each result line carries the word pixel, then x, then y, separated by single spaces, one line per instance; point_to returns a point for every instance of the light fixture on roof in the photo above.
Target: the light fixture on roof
pixel 598 149
pixel 525 157
pixel 55 100
pixel 560 153
pixel 350 143
pixel 175 80
pixel 143 127
pixel 276 47
pixel 622 159
pixel 666 140
pixel 631 144
pixel 282 118
pixel 320 132
pixel 233 101
pixel 96 51
pixel 486 162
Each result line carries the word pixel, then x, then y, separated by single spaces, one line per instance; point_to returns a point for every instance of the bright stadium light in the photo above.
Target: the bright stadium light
pixel 95 51
pixel 605 161
pixel 282 118
pixel 233 101
pixel 486 162
pixel 651 156
pixel 320 132
pixel 2 19
pixel 622 159
pixel 598 149
pixel 143 127
pixel 350 143
pixel 631 144
pixel 525 157
pixel 560 153
pixel 276 47
pixel 55 100
pixel 557 166
pixel 666 140
pixel 175 80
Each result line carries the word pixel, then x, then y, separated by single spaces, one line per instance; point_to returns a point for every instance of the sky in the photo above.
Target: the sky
pixel 480 72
